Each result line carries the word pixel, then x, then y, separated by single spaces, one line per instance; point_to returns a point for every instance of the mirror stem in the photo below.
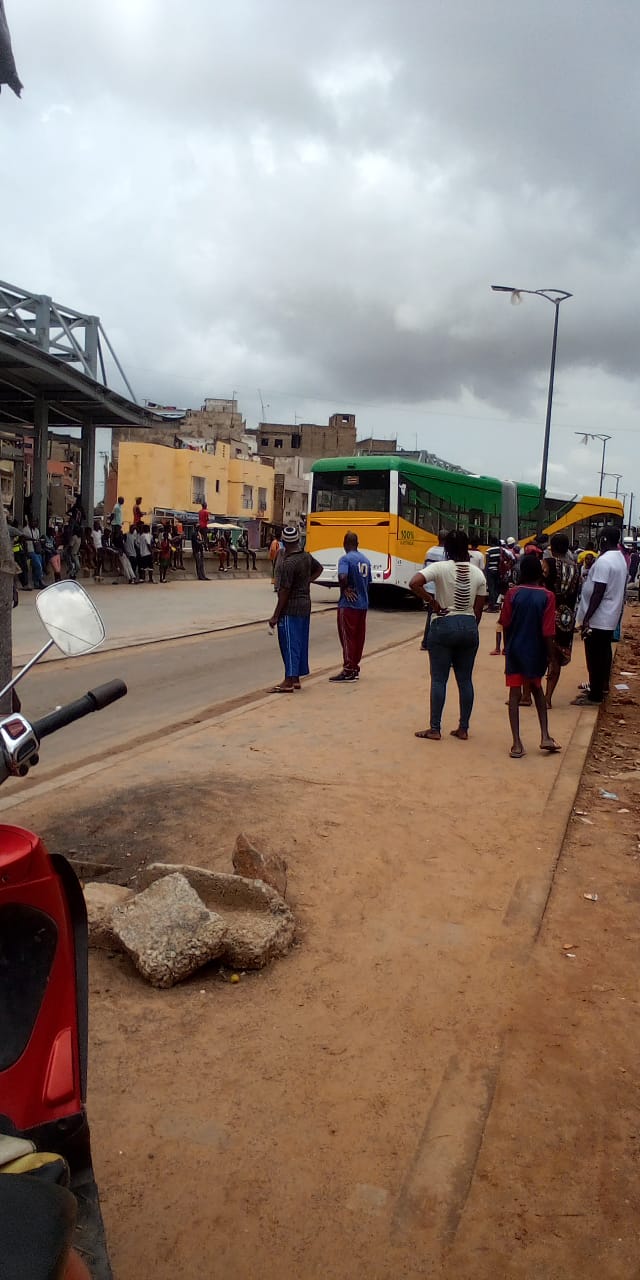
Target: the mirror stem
pixel 31 663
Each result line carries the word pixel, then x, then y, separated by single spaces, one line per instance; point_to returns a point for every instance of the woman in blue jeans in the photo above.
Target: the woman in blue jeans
pixel 461 594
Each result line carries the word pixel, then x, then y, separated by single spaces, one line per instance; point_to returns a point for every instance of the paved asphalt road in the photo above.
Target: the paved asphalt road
pixel 178 681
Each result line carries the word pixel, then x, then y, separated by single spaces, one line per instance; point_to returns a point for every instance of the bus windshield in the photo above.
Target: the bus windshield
pixel 350 491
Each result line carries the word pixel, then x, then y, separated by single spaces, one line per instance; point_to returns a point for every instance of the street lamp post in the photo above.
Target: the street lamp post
pixel 555 296
pixel 585 436
pixel 613 475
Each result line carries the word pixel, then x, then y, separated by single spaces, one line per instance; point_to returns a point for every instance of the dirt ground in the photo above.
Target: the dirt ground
pixel 434 1082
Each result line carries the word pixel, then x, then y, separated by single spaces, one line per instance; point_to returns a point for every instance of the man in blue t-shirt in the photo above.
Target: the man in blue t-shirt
pixel 354 576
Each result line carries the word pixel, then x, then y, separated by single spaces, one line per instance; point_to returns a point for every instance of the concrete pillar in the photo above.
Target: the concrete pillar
pixel 88 469
pixel 18 483
pixel 40 458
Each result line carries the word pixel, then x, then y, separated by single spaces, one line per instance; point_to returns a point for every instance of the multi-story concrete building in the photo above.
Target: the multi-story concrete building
pixel 217 419
pixel 375 444
pixel 180 479
pixel 291 492
pixel 306 439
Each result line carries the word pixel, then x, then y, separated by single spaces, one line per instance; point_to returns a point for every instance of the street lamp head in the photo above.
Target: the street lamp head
pixel 556 296
pixel 515 298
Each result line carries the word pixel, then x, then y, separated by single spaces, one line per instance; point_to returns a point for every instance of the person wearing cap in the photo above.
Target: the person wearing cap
pixel 292 614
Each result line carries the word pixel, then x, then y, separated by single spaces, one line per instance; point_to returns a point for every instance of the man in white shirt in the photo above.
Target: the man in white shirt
pixel 476 556
pixel 31 536
pixel 601 605
pixel 434 554
pixel 117 515
pixel 96 537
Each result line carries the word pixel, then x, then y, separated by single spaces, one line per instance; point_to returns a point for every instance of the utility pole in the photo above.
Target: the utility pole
pixel 554 296
pixel 586 436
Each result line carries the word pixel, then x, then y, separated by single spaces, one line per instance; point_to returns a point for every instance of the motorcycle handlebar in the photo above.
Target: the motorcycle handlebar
pixel 94 700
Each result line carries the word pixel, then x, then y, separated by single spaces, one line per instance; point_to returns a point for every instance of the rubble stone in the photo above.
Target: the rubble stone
pixel 259 925
pixel 101 901
pixel 271 868
pixel 168 931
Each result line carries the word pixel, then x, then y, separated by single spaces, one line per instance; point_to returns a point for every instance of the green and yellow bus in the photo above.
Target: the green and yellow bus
pixel 396 506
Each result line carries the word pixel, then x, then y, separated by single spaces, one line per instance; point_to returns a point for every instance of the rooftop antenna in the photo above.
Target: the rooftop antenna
pixel 264 416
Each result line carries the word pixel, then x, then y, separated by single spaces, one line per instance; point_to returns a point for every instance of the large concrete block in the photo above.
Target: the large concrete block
pixel 259 925
pixel 168 931
pixel 101 901
pixel 250 862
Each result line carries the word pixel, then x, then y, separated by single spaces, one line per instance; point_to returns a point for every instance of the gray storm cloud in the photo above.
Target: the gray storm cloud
pixel 317 198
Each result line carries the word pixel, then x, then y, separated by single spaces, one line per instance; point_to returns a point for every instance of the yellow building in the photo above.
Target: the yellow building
pixel 181 478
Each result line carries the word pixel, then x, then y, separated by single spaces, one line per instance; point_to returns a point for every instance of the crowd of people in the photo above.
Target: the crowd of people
pixel 131 554
pixel 541 593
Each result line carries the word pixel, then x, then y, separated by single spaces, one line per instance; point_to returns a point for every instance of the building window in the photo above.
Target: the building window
pixel 264 442
pixel 296 440
pixel 217 486
pixel 262 499
pixel 198 489
pixel 277 444
pixel 247 497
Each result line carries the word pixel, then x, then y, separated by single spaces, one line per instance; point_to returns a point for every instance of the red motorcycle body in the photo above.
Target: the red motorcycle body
pixel 43 1019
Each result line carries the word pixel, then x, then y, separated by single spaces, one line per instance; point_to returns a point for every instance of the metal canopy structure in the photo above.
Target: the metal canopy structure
pixel 39 390
pixel 70 335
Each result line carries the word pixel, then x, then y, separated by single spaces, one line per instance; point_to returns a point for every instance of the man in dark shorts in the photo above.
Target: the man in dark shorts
pixel 292 614
pixel 528 618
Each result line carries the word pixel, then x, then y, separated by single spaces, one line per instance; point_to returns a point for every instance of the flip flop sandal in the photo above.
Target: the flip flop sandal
pixel 283 689
pixel 433 735
pixel 551 750
pixel 517 755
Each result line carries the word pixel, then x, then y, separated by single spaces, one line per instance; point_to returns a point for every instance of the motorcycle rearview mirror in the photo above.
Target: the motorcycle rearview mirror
pixel 72 621
pixel 70 617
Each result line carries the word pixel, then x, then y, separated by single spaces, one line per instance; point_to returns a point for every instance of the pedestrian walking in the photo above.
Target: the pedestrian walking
pixel 164 555
pixel 476 556
pixel 131 548
pixel 292 614
pixel 528 617
pixel 117 514
pixel 177 543
pixel 31 538
pixel 433 556
pixel 203 518
pixel 461 593
pixel 274 548
pixel 20 557
pixel 354 576
pixel 493 573
pixel 52 553
pixel 145 547
pixel 562 577
pixel 197 546
pixel 600 611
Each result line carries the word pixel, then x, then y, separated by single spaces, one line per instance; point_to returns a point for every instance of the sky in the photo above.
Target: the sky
pixel 308 203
